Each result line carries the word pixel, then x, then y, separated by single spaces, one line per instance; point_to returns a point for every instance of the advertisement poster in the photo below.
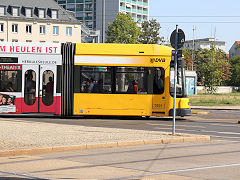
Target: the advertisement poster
pixel 7 103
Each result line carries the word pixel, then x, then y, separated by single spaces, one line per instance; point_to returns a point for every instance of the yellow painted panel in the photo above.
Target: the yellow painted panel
pixel 112 104
pixel 184 103
pixel 180 103
pixel 122 49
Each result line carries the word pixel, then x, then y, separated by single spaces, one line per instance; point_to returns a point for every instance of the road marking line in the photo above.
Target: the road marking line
pixel 177 125
pixel 177 171
pixel 230 133
pixel 191 130
pixel 228 137
pixel 178 129
pixel 224 125
pixel 162 128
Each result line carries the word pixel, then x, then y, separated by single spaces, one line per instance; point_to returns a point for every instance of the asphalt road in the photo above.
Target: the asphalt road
pixel 219 124
pixel 218 159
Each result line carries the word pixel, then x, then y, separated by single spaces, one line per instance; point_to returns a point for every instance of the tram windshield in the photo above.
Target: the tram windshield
pixel 180 91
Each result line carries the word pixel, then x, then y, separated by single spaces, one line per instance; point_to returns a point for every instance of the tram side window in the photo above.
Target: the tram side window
pixel 30 87
pixel 10 81
pixel 131 80
pixel 48 87
pixel 158 81
pixel 95 79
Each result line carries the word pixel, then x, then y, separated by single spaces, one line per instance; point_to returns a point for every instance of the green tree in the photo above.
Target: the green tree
pixel 188 62
pixel 213 68
pixel 150 32
pixel 123 30
pixel 235 69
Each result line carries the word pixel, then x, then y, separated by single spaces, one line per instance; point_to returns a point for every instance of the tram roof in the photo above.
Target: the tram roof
pixel 122 49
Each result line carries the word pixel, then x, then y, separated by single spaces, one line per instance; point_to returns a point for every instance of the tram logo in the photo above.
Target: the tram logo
pixel 153 60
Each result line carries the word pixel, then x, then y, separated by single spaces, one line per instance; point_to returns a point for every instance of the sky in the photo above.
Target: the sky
pixel 209 18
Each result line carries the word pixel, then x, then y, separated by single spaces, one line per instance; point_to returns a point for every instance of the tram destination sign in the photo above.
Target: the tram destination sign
pixel 8 60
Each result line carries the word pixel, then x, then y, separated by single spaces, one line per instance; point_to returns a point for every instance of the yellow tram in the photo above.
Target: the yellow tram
pixel 127 80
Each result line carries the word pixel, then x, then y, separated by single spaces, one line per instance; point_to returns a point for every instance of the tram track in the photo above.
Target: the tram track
pixel 17 175
pixel 139 161
pixel 118 164
pixel 112 153
pixel 176 171
pixel 148 173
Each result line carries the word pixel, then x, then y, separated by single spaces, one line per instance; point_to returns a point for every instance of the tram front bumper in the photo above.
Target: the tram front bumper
pixel 181 112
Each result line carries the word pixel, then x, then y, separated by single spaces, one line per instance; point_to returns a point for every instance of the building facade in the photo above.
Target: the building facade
pixel 37 21
pixel 84 10
pixel 234 50
pixel 206 43
pixel 96 14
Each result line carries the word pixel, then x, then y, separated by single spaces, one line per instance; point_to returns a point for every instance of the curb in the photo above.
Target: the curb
pixel 214 108
pixel 200 112
pixel 106 145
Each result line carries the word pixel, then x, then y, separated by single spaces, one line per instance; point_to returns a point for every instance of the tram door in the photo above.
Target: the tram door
pixel 159 90
pixel 39 89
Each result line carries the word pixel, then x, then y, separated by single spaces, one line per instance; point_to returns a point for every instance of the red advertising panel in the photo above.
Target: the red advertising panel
pixel 10 67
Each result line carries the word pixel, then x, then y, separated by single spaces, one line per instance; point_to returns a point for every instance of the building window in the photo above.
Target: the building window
pixel 1 40
pixel 42 29
pixel 42 41
pixel 55 30
pixel 15 11
pixel 1 27
pixel 55 41
pixel 28 12
pixel 69 31
pixel 28 40
pixel 2 11
pixel 29 29
pixel 41 13
pixel 14 40
pixel 14 28
pixel 54 14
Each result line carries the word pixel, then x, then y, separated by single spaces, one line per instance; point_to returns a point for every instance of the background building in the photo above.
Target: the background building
pixel 234 50
pixel 205 43
pixel 37 21
pixel 138 9
pixel 96 14
pixel 84 11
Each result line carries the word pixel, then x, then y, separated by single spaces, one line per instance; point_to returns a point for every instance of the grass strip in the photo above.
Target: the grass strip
pixel 231 99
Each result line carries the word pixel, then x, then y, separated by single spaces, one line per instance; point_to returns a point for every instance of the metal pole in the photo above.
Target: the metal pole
pixel 193 48
pixel 103 21
pixel 175 80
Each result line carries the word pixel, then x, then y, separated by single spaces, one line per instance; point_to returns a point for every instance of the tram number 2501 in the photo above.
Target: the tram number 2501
pixel 158 106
